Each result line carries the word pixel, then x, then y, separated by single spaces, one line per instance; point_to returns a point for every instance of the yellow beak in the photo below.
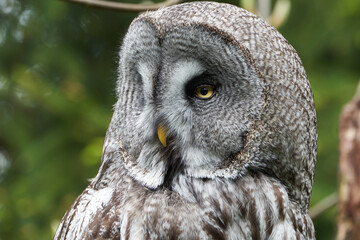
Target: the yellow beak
pixel 162 134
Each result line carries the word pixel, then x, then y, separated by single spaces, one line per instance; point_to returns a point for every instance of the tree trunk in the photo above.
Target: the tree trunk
pixel 349 192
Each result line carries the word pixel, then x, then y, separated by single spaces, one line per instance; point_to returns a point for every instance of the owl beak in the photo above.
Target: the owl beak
pixel 162 134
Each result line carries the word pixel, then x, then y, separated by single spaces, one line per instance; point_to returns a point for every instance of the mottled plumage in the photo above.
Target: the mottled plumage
pixel 237 165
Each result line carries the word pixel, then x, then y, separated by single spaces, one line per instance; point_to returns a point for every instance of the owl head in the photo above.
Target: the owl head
pixel 210 90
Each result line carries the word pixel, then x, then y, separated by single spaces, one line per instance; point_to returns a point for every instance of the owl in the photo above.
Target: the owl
pixel 213 134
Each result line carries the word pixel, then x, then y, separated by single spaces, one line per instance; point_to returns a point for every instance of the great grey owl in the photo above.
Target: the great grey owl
pixel 213 134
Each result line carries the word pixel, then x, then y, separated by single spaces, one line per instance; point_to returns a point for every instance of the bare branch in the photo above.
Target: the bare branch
pixel 323 205
pixel 275 16
pixel 348 224
pixel 264 8
pixel 132 7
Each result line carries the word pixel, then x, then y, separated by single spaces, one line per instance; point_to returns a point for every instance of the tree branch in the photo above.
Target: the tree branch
pixel 323 205
pixel 132 7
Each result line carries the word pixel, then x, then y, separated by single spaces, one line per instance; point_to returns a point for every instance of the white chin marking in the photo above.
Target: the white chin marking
pixel 198 160
pixel 152 166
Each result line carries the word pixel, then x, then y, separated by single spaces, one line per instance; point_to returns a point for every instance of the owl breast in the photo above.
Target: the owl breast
pixel 193 209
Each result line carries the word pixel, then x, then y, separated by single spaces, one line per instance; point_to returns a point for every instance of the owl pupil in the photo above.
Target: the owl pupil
pixel 204 91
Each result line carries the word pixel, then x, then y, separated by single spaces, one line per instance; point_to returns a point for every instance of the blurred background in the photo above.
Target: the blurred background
pixel 58 67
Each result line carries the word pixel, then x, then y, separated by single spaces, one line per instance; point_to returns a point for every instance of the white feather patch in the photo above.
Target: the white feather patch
pixel 185 71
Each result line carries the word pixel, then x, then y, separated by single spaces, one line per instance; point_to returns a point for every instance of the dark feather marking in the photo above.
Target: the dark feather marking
pixel 310 233
pixel 224 218
pixel 269 223
pixel 227 196
pixel 128 225
pixel 174 163
pixel 307 226
pixel 174 231
pixel 214 232
pixel 254 221
pixel 280 202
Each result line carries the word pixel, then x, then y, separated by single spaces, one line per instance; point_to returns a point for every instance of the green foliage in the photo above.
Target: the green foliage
pixel 57 78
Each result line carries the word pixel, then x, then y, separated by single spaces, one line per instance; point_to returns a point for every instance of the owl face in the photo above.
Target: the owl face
pixel 195 84
pixel 223 90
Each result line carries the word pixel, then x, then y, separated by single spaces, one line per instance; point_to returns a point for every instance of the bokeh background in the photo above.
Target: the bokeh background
pixel 58 66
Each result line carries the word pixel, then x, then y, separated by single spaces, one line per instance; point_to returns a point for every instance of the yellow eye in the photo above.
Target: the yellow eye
pixel 204 92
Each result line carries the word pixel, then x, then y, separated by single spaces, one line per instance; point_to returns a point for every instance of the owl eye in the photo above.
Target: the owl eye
pixel 204 92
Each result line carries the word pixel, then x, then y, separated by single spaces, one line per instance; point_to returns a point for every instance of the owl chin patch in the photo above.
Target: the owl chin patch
pixel 157 165
pixel 150 167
